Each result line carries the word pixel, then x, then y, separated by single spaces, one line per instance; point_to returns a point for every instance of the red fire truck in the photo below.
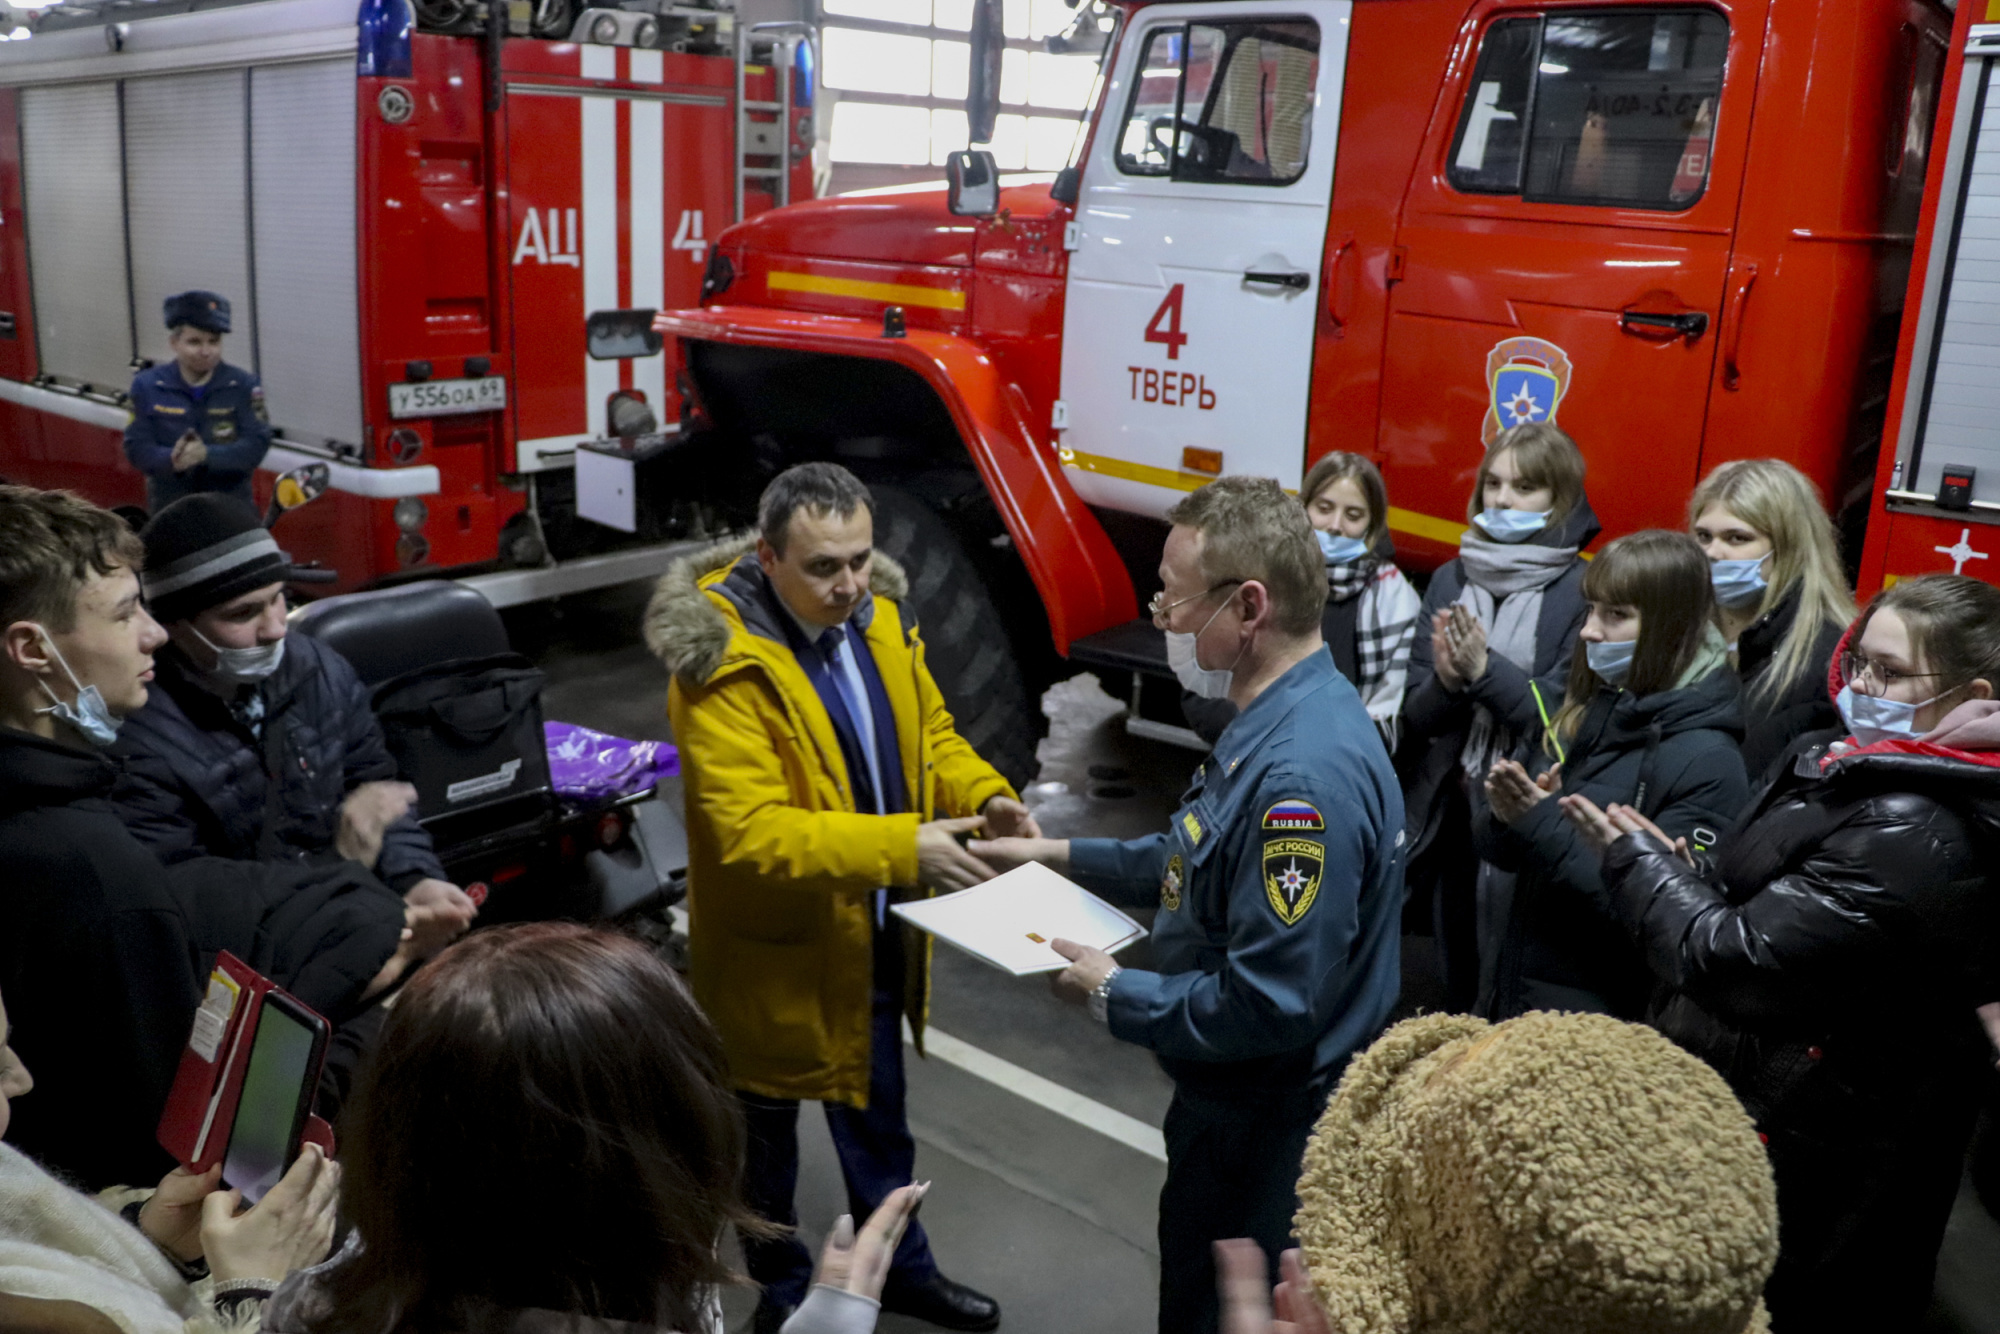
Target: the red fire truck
pixel 1937 495
pixel 444 276
pixel 1681 230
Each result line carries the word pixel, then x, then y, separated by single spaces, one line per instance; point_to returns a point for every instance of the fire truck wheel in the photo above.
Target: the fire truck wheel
pixel 965 641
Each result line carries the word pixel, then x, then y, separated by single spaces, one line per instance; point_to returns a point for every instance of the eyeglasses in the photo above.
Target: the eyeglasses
pixel 1863 673
pixel 1159 610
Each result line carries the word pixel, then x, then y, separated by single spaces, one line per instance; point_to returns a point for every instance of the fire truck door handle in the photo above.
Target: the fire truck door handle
pixel 1733 316
pixel 1690 324
pixel 1340 285
pixel 1297 281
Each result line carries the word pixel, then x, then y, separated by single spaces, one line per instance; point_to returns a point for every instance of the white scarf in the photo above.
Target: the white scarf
pixel 58 1244
pixel 1504 582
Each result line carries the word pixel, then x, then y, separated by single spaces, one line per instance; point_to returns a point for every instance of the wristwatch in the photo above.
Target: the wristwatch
pixel 1100 996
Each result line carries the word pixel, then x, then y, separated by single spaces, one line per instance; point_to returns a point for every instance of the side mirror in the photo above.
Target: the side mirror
pixel 982 96
pixel 613 335
pixel 974 184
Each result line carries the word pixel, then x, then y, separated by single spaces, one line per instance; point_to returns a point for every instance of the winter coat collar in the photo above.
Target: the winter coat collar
pixel 1710 703
pixel 689 632
pixel 35 772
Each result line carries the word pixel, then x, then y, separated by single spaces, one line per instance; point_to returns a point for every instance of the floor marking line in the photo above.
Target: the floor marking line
pixel 1044 1093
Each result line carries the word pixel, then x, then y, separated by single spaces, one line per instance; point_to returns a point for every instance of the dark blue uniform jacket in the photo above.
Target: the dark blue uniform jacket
pixel 1280 889
pixel 227 412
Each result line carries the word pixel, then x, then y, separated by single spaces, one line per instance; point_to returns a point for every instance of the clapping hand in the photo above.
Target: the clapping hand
pixel 1602 828
pixel 366 815
pixel 1465 643
pixel 1512 794
pixel 860 1264
pixel 1240 1275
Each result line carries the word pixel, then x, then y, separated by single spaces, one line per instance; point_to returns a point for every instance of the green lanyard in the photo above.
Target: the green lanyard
pixel 1548 728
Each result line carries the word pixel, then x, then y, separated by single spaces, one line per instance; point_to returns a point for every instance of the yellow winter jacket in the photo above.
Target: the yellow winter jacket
pixel 780 865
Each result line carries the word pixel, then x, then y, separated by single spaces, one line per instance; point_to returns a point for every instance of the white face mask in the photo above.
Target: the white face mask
pixel 1870 718
pixel 89 715
pixel 242 666
pixel 1207 682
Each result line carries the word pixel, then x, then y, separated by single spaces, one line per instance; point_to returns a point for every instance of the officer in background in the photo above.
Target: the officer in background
pixel 198 423
pixel 1279 883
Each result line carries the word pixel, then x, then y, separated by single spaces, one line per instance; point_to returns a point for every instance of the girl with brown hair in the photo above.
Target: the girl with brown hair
pixel 546 1126
pixel 1829 961
pixel 1501 618
pixel 1371 612
pixel 1650 718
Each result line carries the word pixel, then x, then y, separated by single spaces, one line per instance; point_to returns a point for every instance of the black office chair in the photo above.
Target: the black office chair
pixel 462 713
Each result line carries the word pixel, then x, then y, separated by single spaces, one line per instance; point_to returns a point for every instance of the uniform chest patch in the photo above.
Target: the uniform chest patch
pixel 1293 815
pixel 1170 885
pixel 221 429
pixel 1292 870
pixel 1193 827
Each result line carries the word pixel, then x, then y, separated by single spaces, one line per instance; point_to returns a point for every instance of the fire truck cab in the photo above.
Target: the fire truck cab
pixel 1681 230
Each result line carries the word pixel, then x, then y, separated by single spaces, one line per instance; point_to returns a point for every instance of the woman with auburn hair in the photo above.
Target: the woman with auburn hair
pixel 1829 961
pixel 1494 639
pixel 545 1128
pixel 1650 718
pixel 1782 596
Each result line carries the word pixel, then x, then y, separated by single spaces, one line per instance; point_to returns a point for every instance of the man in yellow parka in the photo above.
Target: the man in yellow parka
pixel 817 757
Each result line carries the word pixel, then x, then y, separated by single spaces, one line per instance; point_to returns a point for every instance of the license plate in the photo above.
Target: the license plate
pixel 439 398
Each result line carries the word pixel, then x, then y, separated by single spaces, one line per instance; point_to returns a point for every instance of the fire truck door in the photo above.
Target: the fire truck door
pixel 1187 332
pixel 613 196
pixel 1562 257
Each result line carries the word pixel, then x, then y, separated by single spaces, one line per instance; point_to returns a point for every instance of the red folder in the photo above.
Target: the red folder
pixel 202 1107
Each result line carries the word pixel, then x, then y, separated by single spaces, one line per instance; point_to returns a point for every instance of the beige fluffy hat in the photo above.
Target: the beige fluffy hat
pixel 1554 1174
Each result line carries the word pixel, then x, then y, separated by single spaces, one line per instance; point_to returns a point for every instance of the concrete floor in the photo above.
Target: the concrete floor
pixel 1053 1219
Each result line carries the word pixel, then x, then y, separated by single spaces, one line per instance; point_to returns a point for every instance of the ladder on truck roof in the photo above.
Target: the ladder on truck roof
pixel 768 141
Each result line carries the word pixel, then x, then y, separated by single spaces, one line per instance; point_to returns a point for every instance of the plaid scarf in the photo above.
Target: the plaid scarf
pixel 1385 625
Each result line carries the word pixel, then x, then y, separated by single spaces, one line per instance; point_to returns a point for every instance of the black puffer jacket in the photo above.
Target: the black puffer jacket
pixel 103 953
pixel 196 781
pixel 1829 965
pixel 1673 754
pixel 1775 719
pixel 1436 721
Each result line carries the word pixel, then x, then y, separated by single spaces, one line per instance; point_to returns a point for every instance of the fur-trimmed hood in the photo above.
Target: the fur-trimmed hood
pixel 685 625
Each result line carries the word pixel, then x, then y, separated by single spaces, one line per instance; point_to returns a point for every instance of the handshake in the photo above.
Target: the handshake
pixel 946 861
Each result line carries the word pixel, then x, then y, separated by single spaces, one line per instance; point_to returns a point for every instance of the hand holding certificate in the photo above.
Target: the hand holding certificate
pixel 1009 920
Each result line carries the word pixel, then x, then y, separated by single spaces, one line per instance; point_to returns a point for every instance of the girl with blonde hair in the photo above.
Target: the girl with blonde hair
pixel 1782 596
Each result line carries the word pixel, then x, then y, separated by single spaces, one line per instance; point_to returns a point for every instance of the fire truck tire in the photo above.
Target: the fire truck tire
pixel 965 641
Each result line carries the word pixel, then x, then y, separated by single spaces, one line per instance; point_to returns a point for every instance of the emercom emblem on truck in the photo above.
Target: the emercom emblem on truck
pixel 1527 378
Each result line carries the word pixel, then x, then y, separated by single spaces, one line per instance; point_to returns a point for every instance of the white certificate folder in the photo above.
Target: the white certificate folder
pixel 1010 920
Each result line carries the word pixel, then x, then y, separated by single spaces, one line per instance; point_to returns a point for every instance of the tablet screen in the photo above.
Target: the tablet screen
pixel 273 1102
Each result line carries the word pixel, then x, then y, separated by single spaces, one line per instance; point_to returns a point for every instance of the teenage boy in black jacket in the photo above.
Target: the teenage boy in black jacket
pixel 103 952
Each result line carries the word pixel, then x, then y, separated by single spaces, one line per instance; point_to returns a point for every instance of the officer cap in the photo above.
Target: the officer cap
pixel 204 310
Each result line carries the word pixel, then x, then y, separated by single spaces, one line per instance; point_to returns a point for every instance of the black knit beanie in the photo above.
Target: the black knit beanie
pixel 203 550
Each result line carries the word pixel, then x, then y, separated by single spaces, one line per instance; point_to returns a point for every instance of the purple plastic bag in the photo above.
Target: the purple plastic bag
pixel 590 765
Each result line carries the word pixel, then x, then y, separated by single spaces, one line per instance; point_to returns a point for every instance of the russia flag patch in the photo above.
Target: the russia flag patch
pixel 1293 815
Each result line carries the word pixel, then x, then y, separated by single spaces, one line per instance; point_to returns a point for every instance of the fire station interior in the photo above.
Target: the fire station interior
pixel 659 369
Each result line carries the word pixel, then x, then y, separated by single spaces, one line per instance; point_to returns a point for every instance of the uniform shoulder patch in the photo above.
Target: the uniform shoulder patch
pixel 1292 870
pixel 1294 815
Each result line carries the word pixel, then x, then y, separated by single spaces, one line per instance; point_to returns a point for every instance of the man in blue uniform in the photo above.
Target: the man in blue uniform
pixel 198 423
pixel 1279 884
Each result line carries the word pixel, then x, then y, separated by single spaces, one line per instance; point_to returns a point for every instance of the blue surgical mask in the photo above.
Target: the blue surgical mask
pixel 1738 583
pixel 88 715
pixel 243 666
pixel 1340 550
pixel 1512 525
pixel 1870 718
pixel 1611 661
